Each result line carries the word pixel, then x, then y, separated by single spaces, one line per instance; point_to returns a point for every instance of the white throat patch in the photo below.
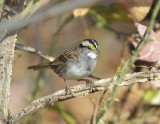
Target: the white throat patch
pixel 92 55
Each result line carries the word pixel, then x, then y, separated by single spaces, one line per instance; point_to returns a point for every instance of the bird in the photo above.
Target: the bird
pixel 76 63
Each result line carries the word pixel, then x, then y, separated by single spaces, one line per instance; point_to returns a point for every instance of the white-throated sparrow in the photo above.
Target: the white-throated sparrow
pixel 76 63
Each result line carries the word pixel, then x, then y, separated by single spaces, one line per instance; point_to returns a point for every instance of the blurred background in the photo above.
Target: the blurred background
pixel 110 23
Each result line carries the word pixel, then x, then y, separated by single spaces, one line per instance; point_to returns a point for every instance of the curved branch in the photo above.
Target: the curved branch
pixel 83 89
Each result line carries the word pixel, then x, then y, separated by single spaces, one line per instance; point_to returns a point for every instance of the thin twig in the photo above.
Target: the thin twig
pixel 101 97
pixel 34 51
pixel 84 89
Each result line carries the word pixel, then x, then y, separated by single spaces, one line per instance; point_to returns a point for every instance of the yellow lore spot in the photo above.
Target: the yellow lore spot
pixel 92 47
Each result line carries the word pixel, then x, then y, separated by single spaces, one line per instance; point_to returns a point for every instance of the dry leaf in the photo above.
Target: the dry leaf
pixel 150 51
pixel 137 9
pixel 80 12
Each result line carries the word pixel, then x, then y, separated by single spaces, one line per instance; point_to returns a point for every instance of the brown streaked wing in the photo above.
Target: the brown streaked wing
pixel 70 54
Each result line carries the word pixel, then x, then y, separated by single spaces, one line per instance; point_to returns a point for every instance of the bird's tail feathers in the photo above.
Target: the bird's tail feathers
pixel 39 66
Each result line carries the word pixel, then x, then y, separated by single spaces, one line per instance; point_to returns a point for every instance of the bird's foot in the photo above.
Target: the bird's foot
pixel 68 90
pixel 89 83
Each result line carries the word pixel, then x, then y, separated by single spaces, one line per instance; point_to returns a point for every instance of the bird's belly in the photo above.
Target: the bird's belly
pixel 77 71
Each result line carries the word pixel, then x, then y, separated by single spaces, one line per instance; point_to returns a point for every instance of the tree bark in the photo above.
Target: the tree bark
pixel 7 45
pixel 6 58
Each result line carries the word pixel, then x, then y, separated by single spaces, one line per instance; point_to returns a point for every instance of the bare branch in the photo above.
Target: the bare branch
pixel 6 57
pixel 59 9
pixel 7 45
pixel 83 89
pixel 34 51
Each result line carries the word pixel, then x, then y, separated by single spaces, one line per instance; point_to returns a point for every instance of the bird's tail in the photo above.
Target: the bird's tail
pixel 39 66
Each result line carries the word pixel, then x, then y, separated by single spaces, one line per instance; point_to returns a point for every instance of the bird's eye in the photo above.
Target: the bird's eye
pixel 92 47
